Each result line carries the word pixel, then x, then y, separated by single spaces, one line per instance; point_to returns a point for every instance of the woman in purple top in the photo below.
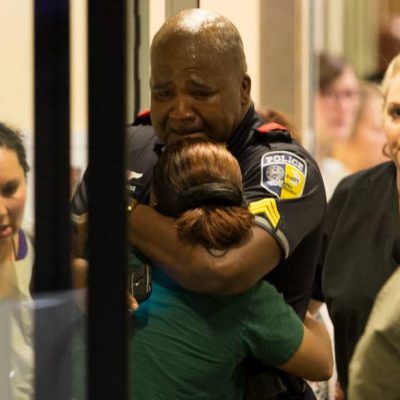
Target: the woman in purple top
pixel 16 260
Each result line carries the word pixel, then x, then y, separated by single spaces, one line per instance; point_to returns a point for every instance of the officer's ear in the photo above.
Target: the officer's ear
pixel 245 90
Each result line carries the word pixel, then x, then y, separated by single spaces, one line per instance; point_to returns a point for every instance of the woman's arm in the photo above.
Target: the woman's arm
pixel 313 360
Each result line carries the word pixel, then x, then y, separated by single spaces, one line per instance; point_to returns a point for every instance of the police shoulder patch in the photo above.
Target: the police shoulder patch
pixel 283 174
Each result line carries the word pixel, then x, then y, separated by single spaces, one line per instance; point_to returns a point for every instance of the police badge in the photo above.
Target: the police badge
pixel 283 174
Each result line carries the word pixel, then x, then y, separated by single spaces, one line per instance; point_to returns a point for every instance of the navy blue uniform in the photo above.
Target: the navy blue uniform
pixel 282 185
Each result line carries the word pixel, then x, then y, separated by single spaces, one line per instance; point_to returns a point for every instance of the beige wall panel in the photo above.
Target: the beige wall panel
pixel 16 67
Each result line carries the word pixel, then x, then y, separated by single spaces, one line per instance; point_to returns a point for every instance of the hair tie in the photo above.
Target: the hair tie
pixel 217 194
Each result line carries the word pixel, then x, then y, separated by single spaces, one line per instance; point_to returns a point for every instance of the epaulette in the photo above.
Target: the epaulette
pixel 143 118
pixel 274 131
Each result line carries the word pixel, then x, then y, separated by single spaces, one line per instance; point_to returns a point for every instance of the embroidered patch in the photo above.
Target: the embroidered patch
pixel 283 174
pixel 267 207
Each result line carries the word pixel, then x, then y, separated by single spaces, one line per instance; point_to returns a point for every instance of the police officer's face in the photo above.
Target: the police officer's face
pixel 195 92
pixel 391 120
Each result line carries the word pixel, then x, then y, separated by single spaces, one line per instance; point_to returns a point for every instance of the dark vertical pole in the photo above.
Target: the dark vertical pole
pixel 52 270
pixel 107 366
pixel 52 145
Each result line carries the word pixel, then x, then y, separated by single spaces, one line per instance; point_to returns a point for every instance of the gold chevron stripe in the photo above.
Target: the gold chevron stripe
pixel 269 208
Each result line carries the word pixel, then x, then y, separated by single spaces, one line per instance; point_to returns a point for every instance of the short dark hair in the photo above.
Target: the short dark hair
pixel 330 68
pixel 12 140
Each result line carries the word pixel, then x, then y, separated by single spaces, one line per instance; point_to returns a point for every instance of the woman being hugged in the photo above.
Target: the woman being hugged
pixel 187 345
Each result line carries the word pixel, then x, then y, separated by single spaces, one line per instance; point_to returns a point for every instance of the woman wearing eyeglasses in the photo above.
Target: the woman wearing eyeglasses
pixel 336 106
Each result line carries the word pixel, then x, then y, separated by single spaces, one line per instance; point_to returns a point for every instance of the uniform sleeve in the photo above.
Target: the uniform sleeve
pixel 285 192
pixel 141 158
pixel 273 331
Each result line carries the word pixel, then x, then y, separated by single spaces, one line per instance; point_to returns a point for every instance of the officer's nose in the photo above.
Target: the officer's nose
pixel 182 109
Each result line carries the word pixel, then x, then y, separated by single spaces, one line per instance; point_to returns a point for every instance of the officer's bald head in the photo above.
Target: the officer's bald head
pixel 204 29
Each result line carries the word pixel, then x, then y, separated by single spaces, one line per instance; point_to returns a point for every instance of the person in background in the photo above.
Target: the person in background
pixel 16 262
pixel 336 105
pixel 364 147
pixel 191 344
pixel 361 236
pixel 375 366
pixel 199 85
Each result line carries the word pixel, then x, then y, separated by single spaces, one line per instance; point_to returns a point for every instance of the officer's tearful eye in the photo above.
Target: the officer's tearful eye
pixel 162 94
pixel 202 94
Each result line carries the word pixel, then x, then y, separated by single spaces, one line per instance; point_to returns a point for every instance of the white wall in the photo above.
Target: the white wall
pixel 156 16
pixel 16 76
pixel 78 82
pixel 16 72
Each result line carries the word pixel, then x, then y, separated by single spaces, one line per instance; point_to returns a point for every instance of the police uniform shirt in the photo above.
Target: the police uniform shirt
pixel 283 187
pixel 142 145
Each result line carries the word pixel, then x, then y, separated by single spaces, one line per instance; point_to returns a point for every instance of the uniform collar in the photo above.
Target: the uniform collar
pixel 244 132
